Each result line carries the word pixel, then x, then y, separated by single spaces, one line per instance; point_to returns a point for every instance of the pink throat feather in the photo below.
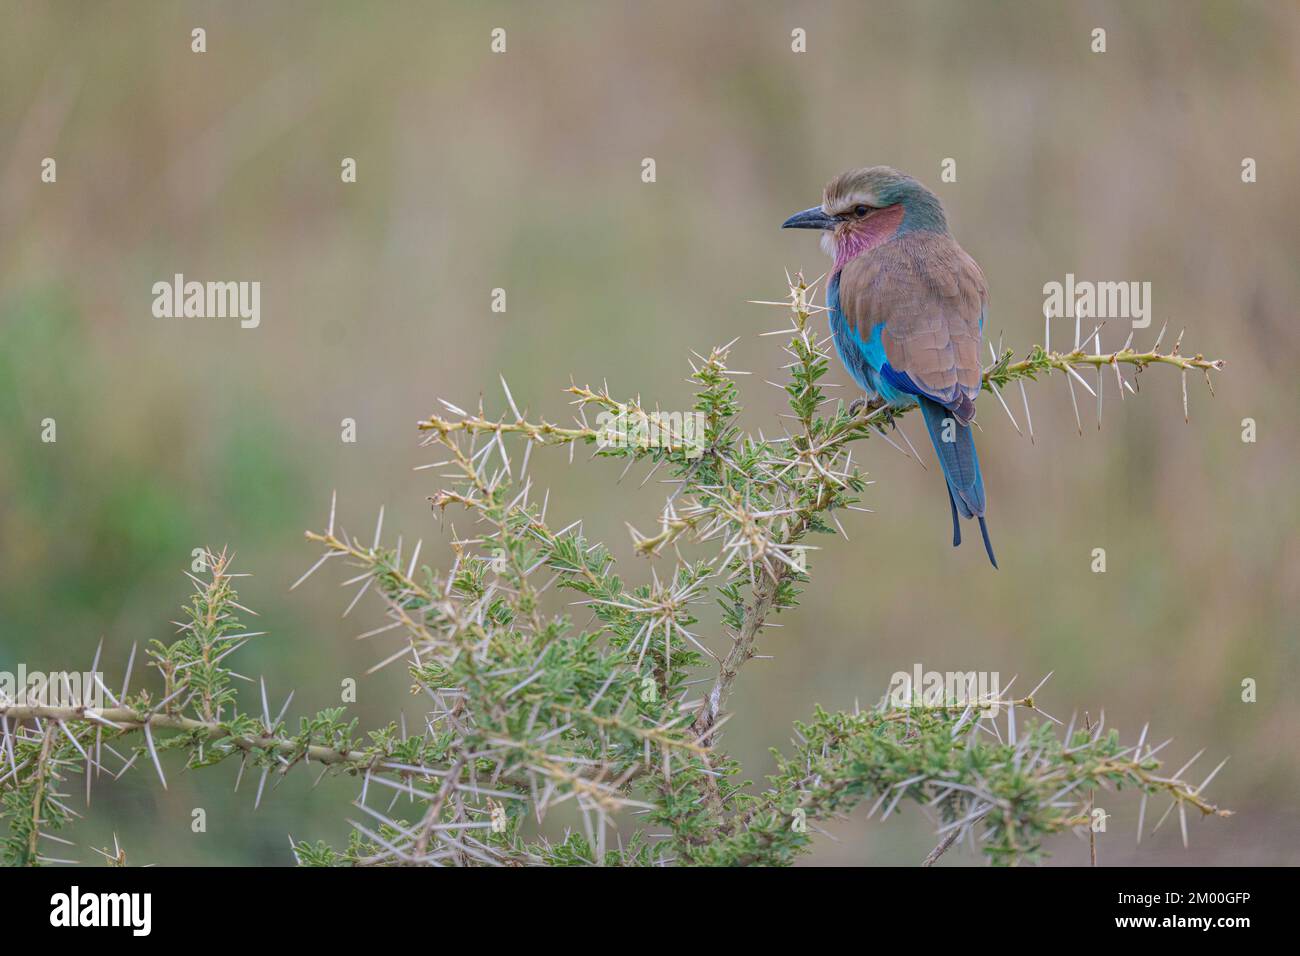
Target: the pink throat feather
pixel 859 238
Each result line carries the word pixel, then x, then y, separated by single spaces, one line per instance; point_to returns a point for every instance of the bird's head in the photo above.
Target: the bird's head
pixel 865 207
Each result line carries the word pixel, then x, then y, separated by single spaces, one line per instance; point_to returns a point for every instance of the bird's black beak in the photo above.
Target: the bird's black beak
pixel 814 218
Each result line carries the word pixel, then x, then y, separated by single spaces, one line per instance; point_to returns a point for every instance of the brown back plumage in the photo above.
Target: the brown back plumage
pixel 931 297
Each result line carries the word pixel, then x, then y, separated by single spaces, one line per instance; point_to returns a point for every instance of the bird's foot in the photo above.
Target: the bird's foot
pixel 867 405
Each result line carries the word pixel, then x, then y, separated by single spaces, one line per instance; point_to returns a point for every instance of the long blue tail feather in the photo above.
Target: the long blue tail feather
pixel 988 545
pixel 961 469
pixel 956 526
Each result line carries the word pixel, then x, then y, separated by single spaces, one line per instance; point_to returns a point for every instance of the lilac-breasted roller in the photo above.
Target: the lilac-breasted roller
pixel 907 307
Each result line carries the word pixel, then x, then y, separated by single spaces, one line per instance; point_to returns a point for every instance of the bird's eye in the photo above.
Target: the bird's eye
pixel 859 210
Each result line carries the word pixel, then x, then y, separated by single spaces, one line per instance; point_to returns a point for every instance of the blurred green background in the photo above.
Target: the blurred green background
pixel 522 171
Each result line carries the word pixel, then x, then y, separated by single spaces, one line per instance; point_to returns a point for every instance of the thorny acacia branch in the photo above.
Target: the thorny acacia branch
pixel 528 708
